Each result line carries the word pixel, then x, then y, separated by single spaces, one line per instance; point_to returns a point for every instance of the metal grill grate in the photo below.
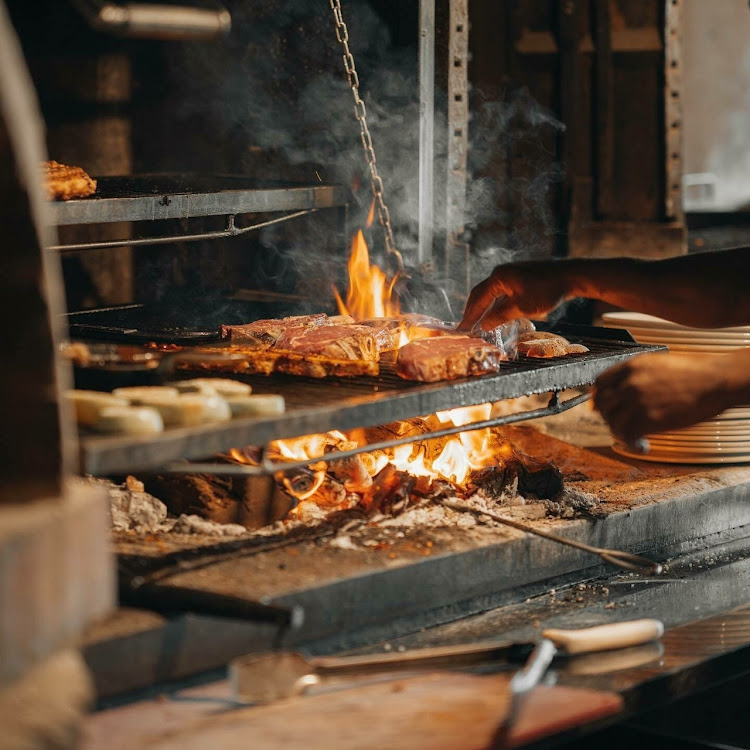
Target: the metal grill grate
pixel 320 405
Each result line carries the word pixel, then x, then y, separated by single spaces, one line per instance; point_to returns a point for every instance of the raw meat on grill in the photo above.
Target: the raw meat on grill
pixel 263 334
pixel 447 358
pixel 335 342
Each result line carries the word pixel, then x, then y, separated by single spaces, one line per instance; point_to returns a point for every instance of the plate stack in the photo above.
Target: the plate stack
pixel 723 439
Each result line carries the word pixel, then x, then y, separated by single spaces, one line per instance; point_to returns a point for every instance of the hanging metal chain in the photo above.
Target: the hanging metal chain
pixel 360 112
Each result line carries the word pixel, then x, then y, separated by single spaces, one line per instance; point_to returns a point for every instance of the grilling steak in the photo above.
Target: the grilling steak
pixel 331 341
pixel 447 358
pixel 257 362
pixel 263 334
pixel 63 183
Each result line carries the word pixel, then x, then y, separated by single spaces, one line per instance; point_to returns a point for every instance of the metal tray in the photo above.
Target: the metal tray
pixel 150 197
pixel 315 405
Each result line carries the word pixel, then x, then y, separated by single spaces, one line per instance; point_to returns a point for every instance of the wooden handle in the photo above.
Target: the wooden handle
pixel 605 637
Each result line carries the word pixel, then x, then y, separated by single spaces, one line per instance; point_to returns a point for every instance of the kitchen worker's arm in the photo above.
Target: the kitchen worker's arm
pixel 708 290
pixel 656 392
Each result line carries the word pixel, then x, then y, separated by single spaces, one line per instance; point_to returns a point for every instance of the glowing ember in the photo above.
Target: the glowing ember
pixel 370 293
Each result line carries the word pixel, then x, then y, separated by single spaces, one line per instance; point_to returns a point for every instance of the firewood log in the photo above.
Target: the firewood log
pixel 390 488
pixel 532 476
pixel 395 430
pixel 255 494
pixel 204 495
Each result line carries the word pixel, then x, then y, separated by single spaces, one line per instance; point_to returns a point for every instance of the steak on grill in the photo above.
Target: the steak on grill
pixel 333 341
pixel 447 358
pixel 263 334
pixel 257 362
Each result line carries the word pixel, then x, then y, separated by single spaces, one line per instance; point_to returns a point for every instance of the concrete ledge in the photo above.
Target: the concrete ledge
pixel 56 574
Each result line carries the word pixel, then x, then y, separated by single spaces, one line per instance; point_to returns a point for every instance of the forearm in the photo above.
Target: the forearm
pixel 710 290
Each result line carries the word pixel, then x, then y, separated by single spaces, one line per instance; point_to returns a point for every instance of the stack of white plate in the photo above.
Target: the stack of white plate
pixel 723 439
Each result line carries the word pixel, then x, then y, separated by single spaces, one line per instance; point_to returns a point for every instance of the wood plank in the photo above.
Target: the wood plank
pixel 441 711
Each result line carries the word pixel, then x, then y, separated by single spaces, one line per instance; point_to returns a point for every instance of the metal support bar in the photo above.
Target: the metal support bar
pixel 426 128
pixel 271 467
pixel 456 250
pixel 156 20
pixel 231 231
pixel 673 108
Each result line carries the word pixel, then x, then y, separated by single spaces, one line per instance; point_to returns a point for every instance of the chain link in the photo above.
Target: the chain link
pixel 360 112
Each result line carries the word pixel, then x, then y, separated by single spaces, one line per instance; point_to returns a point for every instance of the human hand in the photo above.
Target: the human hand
pixel 515 290
pixel 657 392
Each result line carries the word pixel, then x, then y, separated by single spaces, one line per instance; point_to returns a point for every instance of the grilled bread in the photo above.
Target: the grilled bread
pixel 63 183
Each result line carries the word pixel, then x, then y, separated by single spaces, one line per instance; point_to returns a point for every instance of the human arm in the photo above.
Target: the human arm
pixel 657 392
pixel 708 290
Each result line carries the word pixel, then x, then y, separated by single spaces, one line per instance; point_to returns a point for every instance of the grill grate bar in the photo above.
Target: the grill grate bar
pixel 271 467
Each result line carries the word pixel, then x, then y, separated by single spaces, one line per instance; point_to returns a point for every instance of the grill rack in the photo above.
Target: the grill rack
pixel 266 467
pixel 315 405
pixel 150 197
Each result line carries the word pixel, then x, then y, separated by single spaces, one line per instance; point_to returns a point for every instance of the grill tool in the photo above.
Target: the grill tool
pixel 263 678
pixel 624 560
pixel 618 635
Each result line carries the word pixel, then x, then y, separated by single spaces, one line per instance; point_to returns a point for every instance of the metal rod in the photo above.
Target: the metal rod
pixel 231 231
pixel 156 20
pixel 619 559
pixel 426 128
pixel 271 467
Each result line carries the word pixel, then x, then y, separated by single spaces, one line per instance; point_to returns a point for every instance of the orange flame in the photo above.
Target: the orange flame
pixel 371 215
pixel 370 293
pixel 461 454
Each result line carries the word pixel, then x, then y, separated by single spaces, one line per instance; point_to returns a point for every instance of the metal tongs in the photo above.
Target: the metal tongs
pixel 618 558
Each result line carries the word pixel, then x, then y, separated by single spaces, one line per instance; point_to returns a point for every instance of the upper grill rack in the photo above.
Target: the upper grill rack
pixel 152 197
pixel 320 405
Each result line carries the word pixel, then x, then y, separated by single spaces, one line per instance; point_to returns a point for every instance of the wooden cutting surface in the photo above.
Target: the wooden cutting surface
pixel 442 711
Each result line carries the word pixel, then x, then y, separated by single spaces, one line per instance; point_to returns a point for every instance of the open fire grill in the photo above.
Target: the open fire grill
pixel 319 405
pixel 419 559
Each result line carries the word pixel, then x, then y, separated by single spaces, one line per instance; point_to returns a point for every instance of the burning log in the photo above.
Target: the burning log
pixel 391 490
pixel 282 503
pixel 392 431
pixel 256 501
pixel 352 471
pixel 531 477
pixel 204 495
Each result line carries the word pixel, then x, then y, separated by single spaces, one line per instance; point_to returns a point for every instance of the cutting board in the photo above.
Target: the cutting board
pixel 441 711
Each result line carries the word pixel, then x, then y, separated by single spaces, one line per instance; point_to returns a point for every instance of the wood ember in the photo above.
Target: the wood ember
pixel 394 430
pixel 391 488
pixel 530 476
pixel 352 472
pixel 281 503
pixel 205 495
pixel 256 494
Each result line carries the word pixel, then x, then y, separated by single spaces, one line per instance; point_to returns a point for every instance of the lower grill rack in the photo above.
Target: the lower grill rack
pixel 320 405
